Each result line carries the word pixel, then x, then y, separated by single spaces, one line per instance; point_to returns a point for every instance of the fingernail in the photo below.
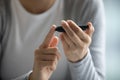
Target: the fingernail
pixel 68 20
pixel 89 23
pixel 54 25
pixel 63 21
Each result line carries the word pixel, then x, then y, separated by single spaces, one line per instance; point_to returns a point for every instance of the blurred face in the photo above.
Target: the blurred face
pixel 37 6
pixel 39 0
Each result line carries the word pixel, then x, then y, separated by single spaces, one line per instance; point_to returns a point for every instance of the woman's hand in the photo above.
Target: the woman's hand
pixel 46 57
pixel 75 41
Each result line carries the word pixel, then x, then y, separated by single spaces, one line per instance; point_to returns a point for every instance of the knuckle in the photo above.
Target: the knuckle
pixel 36 52
pixel 53 68
pixel 37 58
pixel 40 64
pixel 88 39
pixel 83 47
pixel 55 50
pixel 71 34
pixel 53 65
pixel 77 30
pixel 54 57
pixel 41 46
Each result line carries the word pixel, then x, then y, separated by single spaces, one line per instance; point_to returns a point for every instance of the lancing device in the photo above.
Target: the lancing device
pixel 60 29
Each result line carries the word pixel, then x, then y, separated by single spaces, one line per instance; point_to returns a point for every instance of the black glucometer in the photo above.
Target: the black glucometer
pixel 60 29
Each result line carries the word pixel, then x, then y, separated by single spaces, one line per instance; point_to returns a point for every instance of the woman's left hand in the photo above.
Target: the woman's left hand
pixel 75 41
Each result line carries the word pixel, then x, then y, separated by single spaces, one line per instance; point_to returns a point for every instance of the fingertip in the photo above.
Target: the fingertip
pixel 89 24
pixel 69 21
pixel 91 28
pixel 64 23
pixel 53 27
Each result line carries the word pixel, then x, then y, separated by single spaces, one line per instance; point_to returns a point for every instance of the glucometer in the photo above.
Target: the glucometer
pixel 60 29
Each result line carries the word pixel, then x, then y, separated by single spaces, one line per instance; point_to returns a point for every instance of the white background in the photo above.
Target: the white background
pixel 112 9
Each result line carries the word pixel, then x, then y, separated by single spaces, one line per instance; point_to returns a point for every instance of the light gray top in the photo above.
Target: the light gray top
pixel 92 67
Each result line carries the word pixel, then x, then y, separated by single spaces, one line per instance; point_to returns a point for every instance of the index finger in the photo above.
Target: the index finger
pixel 48 37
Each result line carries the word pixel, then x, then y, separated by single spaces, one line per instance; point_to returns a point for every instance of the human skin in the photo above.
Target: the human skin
pixel 75 42
pixel 46 57
pixel 37 6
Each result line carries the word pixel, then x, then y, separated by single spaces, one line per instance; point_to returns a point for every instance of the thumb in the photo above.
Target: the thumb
pixel 54 41
pixel 90 30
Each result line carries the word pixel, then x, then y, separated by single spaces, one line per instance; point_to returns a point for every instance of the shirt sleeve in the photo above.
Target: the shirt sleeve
pixel 24 77
pixel 92 67
pixel 0 39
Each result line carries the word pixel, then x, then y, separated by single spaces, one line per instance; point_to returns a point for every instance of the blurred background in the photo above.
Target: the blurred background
pixel 112 9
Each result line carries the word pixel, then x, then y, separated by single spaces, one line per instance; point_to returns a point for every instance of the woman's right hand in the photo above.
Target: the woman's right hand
pixel 46 58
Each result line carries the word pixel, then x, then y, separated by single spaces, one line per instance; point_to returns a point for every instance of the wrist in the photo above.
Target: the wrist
pixel 79 58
